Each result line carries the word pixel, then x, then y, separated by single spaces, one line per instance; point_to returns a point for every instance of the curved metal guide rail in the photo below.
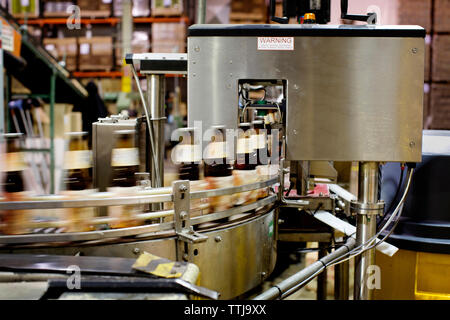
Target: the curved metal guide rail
pixel 141 231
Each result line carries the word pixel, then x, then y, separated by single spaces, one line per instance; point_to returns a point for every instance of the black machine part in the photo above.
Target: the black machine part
pixel 99 274
pixel 425 221
pixel 321 9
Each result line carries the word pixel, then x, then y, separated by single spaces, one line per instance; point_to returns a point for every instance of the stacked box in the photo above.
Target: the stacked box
pixel 442 15
pixel 94 8
pixel 140 43
pixel 167 8
pixel 63 48
pixel 96 54
pixel 415 12
pixel 440 106
pixel 169 37
pixel 441 58
pixel 57 8
pixel 251 11
pixel 20 9
pixel 141 8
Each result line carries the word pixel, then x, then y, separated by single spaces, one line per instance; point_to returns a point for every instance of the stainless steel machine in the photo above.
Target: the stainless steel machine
pixel 343 93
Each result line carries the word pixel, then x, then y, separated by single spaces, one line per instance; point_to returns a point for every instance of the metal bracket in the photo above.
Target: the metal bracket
pixel 367 208
pixel 183 228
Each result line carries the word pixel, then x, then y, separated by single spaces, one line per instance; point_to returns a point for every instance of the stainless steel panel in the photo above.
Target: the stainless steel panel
pixel 349 98
pixel 102 145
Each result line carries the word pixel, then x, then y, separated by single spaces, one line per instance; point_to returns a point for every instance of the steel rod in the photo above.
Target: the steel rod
pixel 301 278
pixel 365 228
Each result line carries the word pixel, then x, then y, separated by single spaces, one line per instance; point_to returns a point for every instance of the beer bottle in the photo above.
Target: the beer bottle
pixel 124 159
pixel 14 221
pixel 124 165
pixel 216 154
pixel 187 157
pixel 77 162
pixel 260 142
pixel 77 181
pixel 245 153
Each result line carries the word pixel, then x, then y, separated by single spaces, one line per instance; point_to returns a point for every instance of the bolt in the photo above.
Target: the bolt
pixel 263 274
pixel 183 188
pixel 136 250
pixel 231 61
pixel 191 230
pixel 185 257
pixel 183 215
pixel 218 238
pixel 295 132
pixel 280 221
pixel 415 50
pixel 197 49
pixel 296 86
pixel 412 144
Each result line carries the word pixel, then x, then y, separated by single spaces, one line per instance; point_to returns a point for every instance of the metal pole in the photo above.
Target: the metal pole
pixel 156 95
pixel 201 11
pixel 322 277
pixel 52 131
pixel 365 227
pixel 341 281
pixel 296 281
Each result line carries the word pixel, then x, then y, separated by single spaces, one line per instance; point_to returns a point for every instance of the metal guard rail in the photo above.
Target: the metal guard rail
pixel 141 231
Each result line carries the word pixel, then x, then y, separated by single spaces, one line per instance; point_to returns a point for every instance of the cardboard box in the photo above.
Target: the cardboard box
pixel 169 46
pixel 441 58
pixel 167 8
pixel 57 8
pixel 18 10
pixel 440 106
pixel 140 8
pixel 442 15
pixel 171 32
pixel 94 8
pixel 96 53
pixel 415 12
pixel 62 48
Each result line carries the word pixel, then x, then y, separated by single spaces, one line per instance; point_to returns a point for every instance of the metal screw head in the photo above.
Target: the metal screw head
pixel 197 49
pixel 183 188
pixel 185 257
pixel 415 50
pixel 295 131
pixel 412 144
pixel 191 230
pixel 183 215
pixel 263 274
pixel 218 238
pixel 136 250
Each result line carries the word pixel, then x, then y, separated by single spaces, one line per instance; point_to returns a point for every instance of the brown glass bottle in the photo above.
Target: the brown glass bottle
pixel 124 159
pixel 14 221
pixel 77 162
pixel 260 142
pixel 246 158
pixel 216 158
pixel 188 166
pixel 15 164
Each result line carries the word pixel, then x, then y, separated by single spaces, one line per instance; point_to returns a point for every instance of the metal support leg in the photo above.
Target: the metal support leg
pixel 52 131
pixel 322 277
pixel 201 11
pixel 341 281
pixel 365 226
pixel 155 96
